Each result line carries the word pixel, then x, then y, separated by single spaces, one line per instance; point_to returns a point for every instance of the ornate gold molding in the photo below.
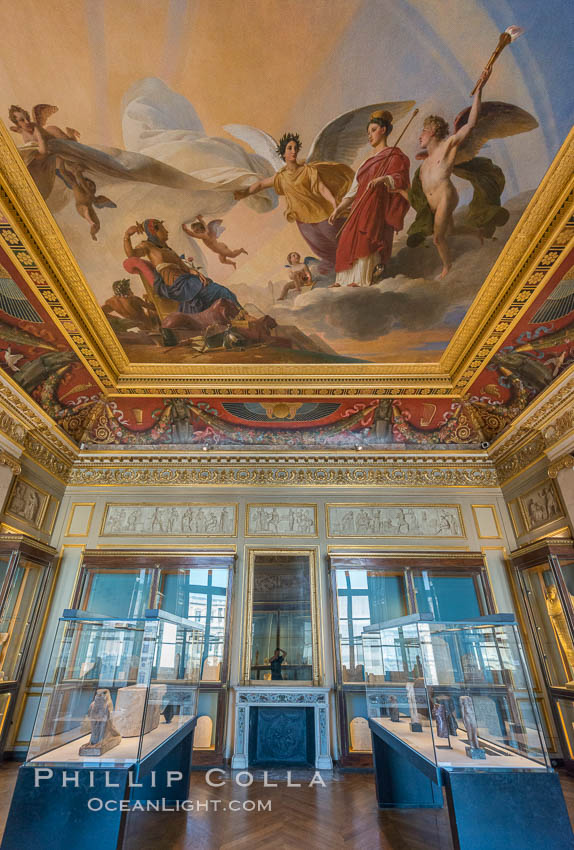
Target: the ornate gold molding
pixel 519 460
pixel 40 440
pixel 313 471
pixel 564 462
pixel 10 461
pixel 540 427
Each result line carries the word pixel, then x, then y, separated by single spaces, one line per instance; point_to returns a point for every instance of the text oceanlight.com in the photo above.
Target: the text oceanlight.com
pixel 96 804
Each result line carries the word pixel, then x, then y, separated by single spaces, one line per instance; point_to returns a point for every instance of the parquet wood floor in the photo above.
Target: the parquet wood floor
pixel 343 815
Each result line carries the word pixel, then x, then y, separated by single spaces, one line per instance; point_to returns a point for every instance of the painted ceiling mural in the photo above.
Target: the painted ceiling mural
pixel 250 183
pixel 38 358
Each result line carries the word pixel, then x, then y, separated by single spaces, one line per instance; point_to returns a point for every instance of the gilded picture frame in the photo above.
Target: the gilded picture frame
pixel 247 643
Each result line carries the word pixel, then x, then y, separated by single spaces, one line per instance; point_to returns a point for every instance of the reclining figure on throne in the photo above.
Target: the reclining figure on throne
pixel 170 277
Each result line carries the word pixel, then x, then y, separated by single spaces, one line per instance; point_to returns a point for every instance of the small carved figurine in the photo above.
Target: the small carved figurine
pixel 168 712
pixel 394 708
pixel 474 751
pixel 104 735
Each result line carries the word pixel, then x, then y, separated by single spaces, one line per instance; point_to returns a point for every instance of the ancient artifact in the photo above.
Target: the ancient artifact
pixel 450 715
pixel 169 712
pixel 103 736
pixel 130 704
pixel 416 725
pixel 394 709
pixel 474 750
pixel 439 714
pixel 360 734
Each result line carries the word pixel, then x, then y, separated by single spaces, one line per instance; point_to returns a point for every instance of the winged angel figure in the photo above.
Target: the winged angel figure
pixel 209 234
pixel 313 188
pixel 432 192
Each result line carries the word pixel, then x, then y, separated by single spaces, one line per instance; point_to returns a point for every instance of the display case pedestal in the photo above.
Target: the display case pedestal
pixel 80 805
pixel 488 809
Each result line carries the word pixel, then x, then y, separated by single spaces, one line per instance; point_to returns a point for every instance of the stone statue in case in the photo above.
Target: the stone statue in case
pixel 104 736
pixel 416 725
pixel 394 709
pixel 474 750
pixel 440 716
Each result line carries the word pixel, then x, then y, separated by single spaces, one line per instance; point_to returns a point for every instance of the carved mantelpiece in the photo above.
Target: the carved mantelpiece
pixel 291 697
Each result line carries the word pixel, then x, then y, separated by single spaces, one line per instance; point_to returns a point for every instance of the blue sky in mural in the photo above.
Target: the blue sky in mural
pixel 545 24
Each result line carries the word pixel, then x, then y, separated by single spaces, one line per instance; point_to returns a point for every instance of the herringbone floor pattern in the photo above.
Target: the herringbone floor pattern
pixel 343 815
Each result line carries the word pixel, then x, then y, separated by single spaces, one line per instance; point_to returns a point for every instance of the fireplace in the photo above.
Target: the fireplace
pixel 281 736
pixel 282 726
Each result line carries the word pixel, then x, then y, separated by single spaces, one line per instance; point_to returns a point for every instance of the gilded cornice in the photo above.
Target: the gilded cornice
pixel 23 422
pixel 564 462
pixel 540 427
pixel 313 470
pixel 10 461
pixel 541 240
pixel 533 253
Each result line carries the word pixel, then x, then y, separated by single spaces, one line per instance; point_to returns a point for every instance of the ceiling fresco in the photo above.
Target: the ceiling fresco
pixel 167 277
pixel 38 358
pixel 151 135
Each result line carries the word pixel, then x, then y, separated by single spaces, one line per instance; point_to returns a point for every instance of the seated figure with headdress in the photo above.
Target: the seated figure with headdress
pixel 173 277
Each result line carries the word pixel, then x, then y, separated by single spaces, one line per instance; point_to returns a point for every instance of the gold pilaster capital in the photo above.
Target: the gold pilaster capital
pixel 564 462
pixel 6 459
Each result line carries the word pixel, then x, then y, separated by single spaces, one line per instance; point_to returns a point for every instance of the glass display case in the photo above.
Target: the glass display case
pixel 193 584
pixel 25 573
pixel 370 588
pixel 115 725
pixel 545 573
pixel 456 692
pixel 116 690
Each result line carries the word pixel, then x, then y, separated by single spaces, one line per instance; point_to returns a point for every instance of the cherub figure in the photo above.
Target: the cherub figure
pixel 209 234
pixel 432 192
pixel 36 135
pixel 33 131
pixel 299 274
pixel 84 191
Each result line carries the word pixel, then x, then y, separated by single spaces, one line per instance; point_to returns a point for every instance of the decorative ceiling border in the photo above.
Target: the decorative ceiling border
pixel 25 425
pixel 528 288
pixel 547 421
pixel 539 242
pixel 39 282
pixel 530 256
pixel 328 470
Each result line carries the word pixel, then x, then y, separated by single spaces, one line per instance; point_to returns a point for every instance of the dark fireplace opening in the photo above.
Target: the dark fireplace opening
pixel 281 736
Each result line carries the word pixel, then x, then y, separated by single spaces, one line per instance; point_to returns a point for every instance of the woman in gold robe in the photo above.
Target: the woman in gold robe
pixel 312 191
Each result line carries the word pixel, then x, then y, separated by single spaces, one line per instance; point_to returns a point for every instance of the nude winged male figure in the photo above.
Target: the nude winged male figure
pixel 436 171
